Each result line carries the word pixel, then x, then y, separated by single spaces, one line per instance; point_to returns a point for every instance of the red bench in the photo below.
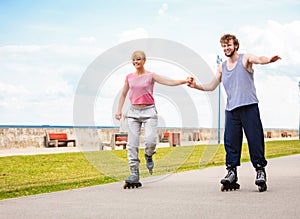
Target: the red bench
pixel 56 139
pixel 286 134
pixel 121 140
pixel 117 139
pixel 165 137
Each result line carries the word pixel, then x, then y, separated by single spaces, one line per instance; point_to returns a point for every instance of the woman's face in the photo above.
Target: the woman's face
pixel 138 62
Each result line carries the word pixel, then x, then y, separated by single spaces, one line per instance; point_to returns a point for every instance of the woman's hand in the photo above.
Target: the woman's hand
pixel 118 116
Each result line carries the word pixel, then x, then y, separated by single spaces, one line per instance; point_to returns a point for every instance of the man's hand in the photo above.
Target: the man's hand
pixel 274 58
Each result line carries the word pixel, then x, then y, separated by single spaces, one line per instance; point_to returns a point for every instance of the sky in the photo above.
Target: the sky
pixel 47 46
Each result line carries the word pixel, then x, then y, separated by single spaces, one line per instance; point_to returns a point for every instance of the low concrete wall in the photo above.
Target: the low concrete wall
pixel 36 137
pixel 22 137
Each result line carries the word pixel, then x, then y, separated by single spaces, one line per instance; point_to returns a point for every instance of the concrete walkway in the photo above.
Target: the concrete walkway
pixel 192 194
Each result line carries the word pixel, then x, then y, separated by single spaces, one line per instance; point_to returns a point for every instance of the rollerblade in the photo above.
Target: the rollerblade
pixel 133 180
pixel 229 182
pixel 261 178
pixel 149 163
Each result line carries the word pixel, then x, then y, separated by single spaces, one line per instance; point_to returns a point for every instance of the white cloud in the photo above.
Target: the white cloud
pixel 274 38
pixel 132 34
pixel 11 89
pixel 38 82
pixel 162 10
pixel 13 96
pixel 279 104
pixel 49 28
pixel 164 14
pixel 89 39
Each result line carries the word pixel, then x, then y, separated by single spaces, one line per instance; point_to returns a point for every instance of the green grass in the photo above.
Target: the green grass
pixel 28 175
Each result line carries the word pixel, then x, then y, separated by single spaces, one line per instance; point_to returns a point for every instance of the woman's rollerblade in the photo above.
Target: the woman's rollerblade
pixel 261 178
pixel 133 180
pixel 229 182
pixel 149 163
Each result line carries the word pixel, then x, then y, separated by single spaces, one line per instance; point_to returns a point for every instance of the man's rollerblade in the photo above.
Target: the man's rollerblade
pixel 229 182
pixel 133 180
pixel 261 178
pixel 149 163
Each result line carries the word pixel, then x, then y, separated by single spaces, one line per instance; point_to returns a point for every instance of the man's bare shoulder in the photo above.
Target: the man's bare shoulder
pixel 248 56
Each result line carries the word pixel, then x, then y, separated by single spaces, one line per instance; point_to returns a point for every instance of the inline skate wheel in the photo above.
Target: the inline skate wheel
pixel 262 188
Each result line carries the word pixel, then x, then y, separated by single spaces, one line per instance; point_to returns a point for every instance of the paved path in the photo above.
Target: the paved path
pixel 192 194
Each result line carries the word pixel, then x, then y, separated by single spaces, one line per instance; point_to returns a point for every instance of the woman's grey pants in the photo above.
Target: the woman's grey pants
pixel 135 118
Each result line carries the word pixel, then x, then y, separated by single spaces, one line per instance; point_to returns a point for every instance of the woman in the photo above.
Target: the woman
pixel 140 85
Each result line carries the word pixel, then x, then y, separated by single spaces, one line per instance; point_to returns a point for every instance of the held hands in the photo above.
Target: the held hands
pixel 190 81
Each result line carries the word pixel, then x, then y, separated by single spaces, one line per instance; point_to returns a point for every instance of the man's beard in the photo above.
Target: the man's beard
pixel 231 54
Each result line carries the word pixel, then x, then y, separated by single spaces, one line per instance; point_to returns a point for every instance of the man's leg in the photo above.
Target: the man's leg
pixel 233 138
pixel 255 135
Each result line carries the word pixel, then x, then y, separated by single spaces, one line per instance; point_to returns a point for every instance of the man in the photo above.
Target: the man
pixel 242 112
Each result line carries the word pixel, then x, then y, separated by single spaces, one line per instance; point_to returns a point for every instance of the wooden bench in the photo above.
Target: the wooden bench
pixel 117 139
pixel 58 139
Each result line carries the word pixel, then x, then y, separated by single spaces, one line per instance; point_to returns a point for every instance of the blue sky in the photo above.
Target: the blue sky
pixel 46 46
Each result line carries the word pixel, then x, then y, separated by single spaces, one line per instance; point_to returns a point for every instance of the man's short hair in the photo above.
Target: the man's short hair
pixel 227 37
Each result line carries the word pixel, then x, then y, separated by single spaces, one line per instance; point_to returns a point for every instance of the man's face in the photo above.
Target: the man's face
pixel 229 48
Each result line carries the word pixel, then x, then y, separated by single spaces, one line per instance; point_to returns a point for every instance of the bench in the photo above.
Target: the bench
pixel 58 139
pixel 172 137
pixel 269 135
pixel 117 139
pixel 165 137
pixel 286 134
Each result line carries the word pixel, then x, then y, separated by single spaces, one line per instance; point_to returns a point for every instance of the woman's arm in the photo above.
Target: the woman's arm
pixel 166 81
pixel 118 115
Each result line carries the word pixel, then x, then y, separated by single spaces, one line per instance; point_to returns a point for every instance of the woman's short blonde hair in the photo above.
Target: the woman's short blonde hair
pixel 138 54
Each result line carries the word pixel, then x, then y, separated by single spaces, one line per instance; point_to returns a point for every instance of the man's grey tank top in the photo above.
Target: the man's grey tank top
pixel 239 85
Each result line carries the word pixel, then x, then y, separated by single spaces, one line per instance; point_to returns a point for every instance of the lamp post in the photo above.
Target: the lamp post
pixel 219 61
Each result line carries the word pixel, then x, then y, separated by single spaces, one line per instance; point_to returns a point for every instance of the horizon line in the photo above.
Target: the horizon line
pixel 107 126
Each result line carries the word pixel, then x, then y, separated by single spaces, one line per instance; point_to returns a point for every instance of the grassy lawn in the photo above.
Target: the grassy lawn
pixel 28 175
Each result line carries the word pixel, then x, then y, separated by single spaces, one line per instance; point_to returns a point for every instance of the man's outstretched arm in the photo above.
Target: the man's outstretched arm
pixel 262 59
